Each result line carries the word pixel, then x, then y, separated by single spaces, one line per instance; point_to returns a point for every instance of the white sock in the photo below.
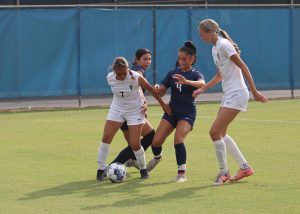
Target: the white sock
pixel 221 155
pixel 102 155
pixel 140 157
pixel 235 152
pixel 182 167
pixel 158 156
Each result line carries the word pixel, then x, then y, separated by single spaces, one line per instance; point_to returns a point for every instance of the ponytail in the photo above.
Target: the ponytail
pixel 225 35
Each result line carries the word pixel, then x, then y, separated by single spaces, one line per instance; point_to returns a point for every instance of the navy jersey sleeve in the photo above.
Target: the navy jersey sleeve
pixel 198 76
pixel 167 80
pixel 139 69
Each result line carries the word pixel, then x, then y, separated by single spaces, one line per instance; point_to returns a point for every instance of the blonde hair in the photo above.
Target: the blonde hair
pixel 120 62
pixel 209 25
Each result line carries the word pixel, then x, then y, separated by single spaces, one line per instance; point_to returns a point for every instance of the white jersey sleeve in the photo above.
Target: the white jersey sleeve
pixel 227 49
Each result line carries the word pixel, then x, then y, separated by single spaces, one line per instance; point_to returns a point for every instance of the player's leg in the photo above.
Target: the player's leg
pixel 146 141
pixel 134 139
pixel 245 169
pixel 147 135
pixel 164 129
pixel 127 152
pixel 224 117
pixel 110 129
pixel 238 100
pixel 126 156
pixel 182 129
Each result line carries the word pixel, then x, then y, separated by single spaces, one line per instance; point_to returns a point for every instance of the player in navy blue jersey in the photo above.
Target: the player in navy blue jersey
pixel 182 81
pixel 141 63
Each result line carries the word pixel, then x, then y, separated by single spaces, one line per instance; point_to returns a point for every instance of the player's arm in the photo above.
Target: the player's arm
pixel 160 89
pixel 145 84
pixel 245 70
pixel 214 81
pixel 182 80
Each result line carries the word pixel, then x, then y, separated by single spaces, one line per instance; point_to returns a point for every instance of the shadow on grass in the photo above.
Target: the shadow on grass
pixel 133 187
pixel 92 188
pixel 64 189
pixel 139 199
pixel 174 195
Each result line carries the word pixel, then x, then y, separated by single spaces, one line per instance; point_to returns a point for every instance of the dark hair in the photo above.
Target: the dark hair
pixel 190 49
pixel 139 53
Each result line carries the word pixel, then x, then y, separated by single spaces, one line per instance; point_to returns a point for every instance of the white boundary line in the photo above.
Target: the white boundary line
pixel 241 119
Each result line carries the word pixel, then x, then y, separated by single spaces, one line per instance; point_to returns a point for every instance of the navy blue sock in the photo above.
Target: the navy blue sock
pixel 156 150
pixel 146 141
pixel 124 155
pixel 180 153
pixel 127 153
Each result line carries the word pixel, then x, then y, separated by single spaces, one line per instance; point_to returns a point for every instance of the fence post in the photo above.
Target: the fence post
pixel 291 74
pixel 78 56
pixel 154 44
pixel 190 22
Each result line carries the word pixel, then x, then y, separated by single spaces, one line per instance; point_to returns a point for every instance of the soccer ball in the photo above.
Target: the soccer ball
pixel 116 172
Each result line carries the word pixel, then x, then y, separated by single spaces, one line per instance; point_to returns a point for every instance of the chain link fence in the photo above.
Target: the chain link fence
pixel 7 104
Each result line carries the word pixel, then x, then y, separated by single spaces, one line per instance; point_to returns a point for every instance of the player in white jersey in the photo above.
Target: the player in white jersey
pixel 126 106
pixel 126 156
pixel 230 70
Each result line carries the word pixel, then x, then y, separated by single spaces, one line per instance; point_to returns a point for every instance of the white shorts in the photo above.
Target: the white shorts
pixel 236 100
pixel 134 117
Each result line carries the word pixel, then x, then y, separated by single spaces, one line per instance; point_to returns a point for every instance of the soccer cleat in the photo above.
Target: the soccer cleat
pixel 152 163
pixel 132 163
pixel 181 178
pixel 242 173
pixel 144 174
pixel 100 175
pixel 105 171
pixel 222 178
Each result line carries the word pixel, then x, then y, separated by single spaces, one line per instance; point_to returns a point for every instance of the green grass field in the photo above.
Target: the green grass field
pixel 48 165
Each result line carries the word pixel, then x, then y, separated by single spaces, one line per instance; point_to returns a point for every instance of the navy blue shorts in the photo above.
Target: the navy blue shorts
pixel 173 119
pixel 124 127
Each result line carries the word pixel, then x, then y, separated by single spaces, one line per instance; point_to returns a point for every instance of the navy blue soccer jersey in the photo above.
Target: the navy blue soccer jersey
pixel 182 101
pixel 138 68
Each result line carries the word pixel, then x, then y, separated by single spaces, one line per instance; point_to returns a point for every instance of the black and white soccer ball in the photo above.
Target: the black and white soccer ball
pixel 116 172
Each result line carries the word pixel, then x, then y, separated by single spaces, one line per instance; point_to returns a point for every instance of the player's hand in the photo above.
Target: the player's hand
pixel 179 79
pixel 156 88
pixel 259 97
pixel 145 109
pixel 167 109
pixel 197 92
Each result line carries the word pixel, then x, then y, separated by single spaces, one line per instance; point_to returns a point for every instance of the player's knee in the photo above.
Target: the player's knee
pixel 106 139
pixel 178 140
pixel 156 142
pixel 135 146
pixel 214 133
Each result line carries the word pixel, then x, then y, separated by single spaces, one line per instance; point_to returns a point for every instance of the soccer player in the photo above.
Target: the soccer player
pixel 182 81
pixel 141 63
pixel 126 106
pixel 230 70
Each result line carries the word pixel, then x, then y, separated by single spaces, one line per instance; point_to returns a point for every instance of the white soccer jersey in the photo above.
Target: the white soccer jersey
pixel 232 78
pixel 127 94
